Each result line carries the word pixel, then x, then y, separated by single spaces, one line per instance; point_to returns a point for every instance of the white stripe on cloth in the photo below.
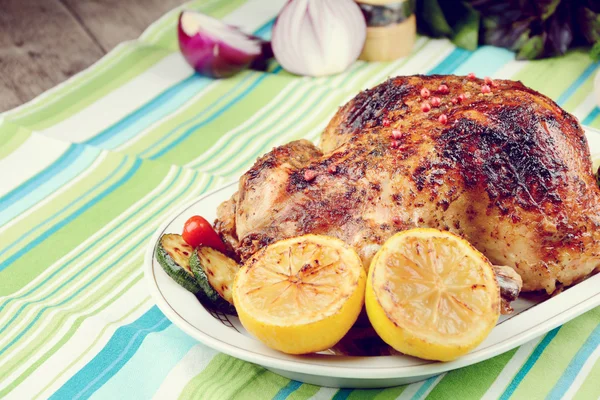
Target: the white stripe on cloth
pixel 255 124
pixel 76 253
pixel 122 101
pixel 30 158
pixel 412 390
pixel 115 254
pixel 83 341
pixel 510 369
pixel 324 393
pixel 104 284
pixel 509 70
pixel 59 367
pixel 583 374
pixel 101 157
pixel 235 168
pixel 193 363
pixel 585 107
pixel 110 293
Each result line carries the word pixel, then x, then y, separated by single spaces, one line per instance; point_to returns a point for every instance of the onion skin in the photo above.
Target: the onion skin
pixel 318 37
pixel 210 56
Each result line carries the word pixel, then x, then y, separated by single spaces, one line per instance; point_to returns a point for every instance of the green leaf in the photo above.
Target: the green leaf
pixel 548 9
pixel 467 29
pixel 595 52
pixel 433 16
pixel 532 48
pixel 589 24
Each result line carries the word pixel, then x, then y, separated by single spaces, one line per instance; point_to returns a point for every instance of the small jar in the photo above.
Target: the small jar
pixel 391 29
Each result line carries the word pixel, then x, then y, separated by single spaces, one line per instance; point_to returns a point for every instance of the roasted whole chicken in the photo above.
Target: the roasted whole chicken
pixel 495 162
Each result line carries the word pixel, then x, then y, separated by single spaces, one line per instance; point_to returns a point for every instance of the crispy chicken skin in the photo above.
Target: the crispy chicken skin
pixel 510 171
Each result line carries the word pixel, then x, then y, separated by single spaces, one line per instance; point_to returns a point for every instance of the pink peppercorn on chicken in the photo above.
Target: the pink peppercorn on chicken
pixel 493 161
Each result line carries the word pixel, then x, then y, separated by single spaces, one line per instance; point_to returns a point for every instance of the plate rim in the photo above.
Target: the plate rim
pixel 334 370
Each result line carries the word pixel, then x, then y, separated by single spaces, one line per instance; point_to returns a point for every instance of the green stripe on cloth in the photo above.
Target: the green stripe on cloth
pixel 582 92
pixel 480 376
pixel 266 384
pixel 227 377
pixel 94 214
pixel 590 389
pixel 57 322
pixel 126 267
pixel 109 170
pixel 199 109
pixel 136 59
pixel 376 394
pixel 541 75
pixel 304 392
pixel 70 84
pixel 95 342
pixel 11 137
pixel 554 360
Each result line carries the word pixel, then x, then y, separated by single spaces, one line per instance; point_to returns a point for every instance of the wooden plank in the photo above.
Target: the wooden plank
pixel 114 21
pixel 41 45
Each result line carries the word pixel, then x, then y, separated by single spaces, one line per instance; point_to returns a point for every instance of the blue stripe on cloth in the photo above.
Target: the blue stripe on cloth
pixel 59 165
pixel 59 212
pixel 167 102
pixel 209 119
pixel 71 217
pixel 569 375
pixel 49 186
pixel 535 355
pixel 97 258
pixel 342 394
pixel 168 347
pixel 288 389
pixel 424 387
pixel 205 111
pixel 74 294
pixel 90 246
pixel 452 62
pixel 277 123
pixel 121 346
pixel 591 116
pixel 162 105
pixel 578 82
pixel 485 61
pixel 264 32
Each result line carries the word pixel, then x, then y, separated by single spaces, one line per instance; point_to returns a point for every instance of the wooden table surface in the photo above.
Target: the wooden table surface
pixel 43 42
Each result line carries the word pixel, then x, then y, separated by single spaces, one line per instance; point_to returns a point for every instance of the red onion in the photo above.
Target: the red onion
pixel 214 48
pixel 318 37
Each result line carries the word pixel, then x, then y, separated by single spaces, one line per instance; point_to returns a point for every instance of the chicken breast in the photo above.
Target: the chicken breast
pixel 508 170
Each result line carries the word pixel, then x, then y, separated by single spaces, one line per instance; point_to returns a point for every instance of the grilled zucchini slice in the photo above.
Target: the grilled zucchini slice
pixel 173 255
pixel 215 273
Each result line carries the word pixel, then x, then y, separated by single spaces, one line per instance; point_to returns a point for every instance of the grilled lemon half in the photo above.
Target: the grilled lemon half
pixel 300 295
pixel 432 295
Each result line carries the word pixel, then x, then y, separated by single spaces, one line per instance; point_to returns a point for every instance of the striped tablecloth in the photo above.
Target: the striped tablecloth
pixel 89 169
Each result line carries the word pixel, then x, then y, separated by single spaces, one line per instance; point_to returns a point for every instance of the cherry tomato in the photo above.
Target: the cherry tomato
pixel 198 231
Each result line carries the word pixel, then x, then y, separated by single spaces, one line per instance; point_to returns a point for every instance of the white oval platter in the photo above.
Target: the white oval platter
pixel 224 333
